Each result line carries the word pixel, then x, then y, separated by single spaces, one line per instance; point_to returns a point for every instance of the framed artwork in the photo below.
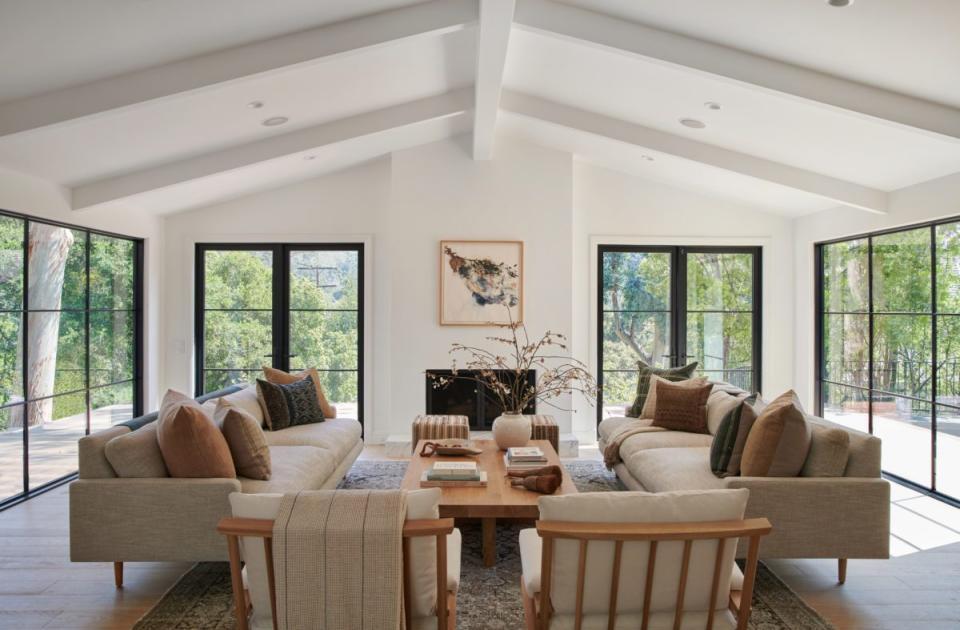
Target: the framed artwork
pixel 481 282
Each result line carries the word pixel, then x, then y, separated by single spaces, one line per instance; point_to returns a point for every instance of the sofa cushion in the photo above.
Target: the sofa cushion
pixel 650 406
pixel 190 441
pixel 339 435
pixel 682 408
pixel 643 382
pixel 289 404
pixel 249 449
pixel 635 507
pixel 137 454
pixel 661 438
pixel 293 468
pixel 829 452
pixel 779 440
pixel 280 377
pixel 609 427
pixel 421 504
pixel 672 469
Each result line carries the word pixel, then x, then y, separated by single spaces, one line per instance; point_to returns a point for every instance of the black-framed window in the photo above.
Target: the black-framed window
pixel 667 306
pixel 71 334
pixel 291 306
pixel 888 346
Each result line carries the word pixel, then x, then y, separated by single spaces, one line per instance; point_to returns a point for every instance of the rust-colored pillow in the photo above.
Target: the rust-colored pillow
pixel 682 408
pixel 190 441
pixel 248 446
pixel 779 441
pixel 279 377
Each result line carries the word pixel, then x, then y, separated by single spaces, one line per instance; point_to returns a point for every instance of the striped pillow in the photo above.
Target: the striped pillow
pixel 643 382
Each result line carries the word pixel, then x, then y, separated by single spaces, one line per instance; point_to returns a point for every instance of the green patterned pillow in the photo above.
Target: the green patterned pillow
pixel 724 442
pixel 289 405
pixel 643 382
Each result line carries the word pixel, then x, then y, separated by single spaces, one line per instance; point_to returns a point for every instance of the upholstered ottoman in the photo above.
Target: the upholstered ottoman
pixel 546 428
pixel 436 427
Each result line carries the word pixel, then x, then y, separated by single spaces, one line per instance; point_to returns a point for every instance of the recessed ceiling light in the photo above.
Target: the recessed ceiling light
pixel 840 3
pixel 712 105
pixel 693 123
pixel 309 157
pixel 255 104
pixel 646 158
pixel 276 120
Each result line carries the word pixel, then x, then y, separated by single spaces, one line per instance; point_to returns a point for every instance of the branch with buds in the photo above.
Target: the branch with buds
pixel 502 371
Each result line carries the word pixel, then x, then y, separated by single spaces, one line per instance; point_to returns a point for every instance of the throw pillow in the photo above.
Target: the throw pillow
pixel 719 405
pixel 682 408
pixel 248 446
pixel 191 444
pixel 725 438
pixel 643 382
pixel 137 454
pixel 749 412
pixel 289 405
pixel 779 440
pixel 650 406
pixel 829 452
pixel 279 377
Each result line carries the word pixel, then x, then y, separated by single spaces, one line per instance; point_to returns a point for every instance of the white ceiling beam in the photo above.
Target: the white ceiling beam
pixel 591 28
pixel 445 106
pixel 496 20
pixel 272 55
pixel 840 191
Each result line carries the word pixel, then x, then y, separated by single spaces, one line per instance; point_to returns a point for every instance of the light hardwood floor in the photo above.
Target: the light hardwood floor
pixel 919 589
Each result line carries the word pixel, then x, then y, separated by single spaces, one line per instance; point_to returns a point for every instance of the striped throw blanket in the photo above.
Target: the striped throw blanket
pixel 338 560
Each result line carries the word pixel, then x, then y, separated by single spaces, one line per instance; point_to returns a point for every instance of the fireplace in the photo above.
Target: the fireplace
pixel 467 398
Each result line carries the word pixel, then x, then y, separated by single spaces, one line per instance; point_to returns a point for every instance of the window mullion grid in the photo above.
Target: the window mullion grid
pixel 25 336
pixel 933 358
pixel 870 334
pixel 86 333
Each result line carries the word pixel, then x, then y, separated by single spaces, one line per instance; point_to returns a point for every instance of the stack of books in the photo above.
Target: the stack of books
pixel 524 458
pixel 453 473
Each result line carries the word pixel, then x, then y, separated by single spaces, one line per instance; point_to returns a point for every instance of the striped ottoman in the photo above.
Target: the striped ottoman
pixel 546 428
pixel 434 427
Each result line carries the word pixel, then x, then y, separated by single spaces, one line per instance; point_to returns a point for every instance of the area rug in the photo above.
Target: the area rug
pixel 202 599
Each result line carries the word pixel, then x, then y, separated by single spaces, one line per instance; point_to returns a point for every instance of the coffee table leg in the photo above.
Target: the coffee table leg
pixel 489 541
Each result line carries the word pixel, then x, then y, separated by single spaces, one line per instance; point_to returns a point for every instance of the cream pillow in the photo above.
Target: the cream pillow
pixel 719 404
pixel 137 454
pixel 248 446
pixel 650 406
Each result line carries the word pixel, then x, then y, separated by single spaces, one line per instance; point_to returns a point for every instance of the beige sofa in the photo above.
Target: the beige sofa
pixel 115 519
pixel 813 517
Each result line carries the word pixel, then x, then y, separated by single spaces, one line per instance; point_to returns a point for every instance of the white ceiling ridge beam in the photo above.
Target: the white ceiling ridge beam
pixel 495 22
pixel 444 106
pixel 591 28
pixel 315 45
pixel 841 191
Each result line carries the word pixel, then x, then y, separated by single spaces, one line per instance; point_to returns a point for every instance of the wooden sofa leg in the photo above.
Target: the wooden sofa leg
pixel 118 574
pixel 842 570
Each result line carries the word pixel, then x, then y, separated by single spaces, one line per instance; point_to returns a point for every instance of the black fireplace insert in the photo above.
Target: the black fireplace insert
pixel 469 398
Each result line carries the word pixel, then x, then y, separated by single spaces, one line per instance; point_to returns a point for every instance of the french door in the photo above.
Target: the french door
pixel 290 306
pixel 667 306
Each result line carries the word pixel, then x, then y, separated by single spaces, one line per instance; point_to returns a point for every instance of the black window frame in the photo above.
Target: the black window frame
pixel 136 381
pixel 280 305
pixel 678 302
pixel 934 315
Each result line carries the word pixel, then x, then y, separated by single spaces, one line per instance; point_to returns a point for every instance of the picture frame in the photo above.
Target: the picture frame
pixel 481 282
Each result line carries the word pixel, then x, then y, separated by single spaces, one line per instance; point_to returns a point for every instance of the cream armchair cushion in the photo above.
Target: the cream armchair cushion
pixel 421 504
pixel 633 507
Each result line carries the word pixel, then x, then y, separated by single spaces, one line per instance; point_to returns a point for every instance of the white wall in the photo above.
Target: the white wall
pixel 612 207
pixel 936 199
pixel 39 198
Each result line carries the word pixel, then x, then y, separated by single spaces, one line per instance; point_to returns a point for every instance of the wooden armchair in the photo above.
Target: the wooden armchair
pixel 642 573
pixel 236 528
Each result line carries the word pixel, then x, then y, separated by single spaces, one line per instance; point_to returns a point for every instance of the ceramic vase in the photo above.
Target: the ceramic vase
pixel 511 430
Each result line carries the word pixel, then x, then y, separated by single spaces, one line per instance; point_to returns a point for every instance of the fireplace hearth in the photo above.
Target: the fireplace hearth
pixel 468 398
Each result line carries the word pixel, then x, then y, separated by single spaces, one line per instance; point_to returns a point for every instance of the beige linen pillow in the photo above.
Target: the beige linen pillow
pixel 136 455
pixel 279 377
pixel 248 446
pixel 650 405
pixel 829 452
pixel 719 405
pixel 779 441
pixel 191 444
pixel 681 408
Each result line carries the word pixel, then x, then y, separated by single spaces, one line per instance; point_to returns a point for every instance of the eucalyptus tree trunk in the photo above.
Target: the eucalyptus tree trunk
pixel 47 251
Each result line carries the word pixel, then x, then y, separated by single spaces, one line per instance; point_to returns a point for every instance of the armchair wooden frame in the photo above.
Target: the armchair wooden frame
pixel 236 528
pixel 538 611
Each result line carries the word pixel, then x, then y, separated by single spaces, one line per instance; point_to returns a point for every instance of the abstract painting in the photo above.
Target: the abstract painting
pixel 481 282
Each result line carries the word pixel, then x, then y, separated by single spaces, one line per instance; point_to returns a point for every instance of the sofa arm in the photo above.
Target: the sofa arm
pixel 116 520
pixel 820 517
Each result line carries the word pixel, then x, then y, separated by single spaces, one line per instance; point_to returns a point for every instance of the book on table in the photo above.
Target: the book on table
pixel 454 471
pixel 525 454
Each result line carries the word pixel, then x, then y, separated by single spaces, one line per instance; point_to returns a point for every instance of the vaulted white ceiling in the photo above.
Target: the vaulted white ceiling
pixel 148 104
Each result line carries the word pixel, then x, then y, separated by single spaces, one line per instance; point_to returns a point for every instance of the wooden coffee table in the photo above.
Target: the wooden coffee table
pixel 497 500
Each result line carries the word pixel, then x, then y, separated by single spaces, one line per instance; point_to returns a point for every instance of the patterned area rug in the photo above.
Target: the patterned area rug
pixel 202 599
